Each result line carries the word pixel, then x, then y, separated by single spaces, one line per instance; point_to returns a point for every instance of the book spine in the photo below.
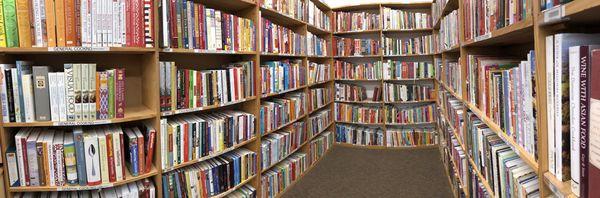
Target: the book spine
pixel 71 164
pixel 3 32
pixel 111 94
pixel 27 98
pixel 102 154
pixel 70 23
pixel 112 177
pixel 92 96
pixel 62 96
pixel 103 97
pixel 60 164
pixel 77 78
pixel 10 21
pixel 117 155
pixel 150 152
pixel 584 122
pixel 119 93
pixel 32 163
pixel 50 23
pixel 80 156
pixel 92 159
pixel 10 95
pixel 24 23
pixel 42 95
pixel 4 94
pixel 54 96
pixel 84 90
pixel 11 162
pixel 70 92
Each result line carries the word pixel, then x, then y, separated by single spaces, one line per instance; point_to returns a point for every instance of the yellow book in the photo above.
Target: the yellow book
pixel 24 23
pixel 2 28
pixel 61 37
pixel 50 23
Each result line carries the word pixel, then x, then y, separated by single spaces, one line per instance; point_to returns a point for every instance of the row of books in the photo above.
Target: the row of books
pixel 279 76
pixel 453 77
pixel 503 88
pixel 143 189
pixel 355 21
pixel 315 45
pixel 477 187
pixel 351 92
pixel 393 92
pixel 400 70
pixel 405 20
pixel 318 73
pixel 506 173
pixel 410 137
pixel 449 146
pixel 410 114
pixel 358 71
pixel 317 17
pixel 92 23
pixel 458 158
pixel 280 111
pixel 437 8
pixel 438 68
pixel 278 145
pixel 278 39
pixel 448 35
pixel 455 112
pixel 190 137
pixel 319 122
pixel 479 20
pixel 188 89
pixel 421 45
pixel 358 135
pixel 355 47
pixel 246 191
pixel 358 113
pixel 571 92
pixel 85 157
pixel 319 97
pixel 79 93
pixel 211 177
pixel 190 25
pixel 292 8
pixel 277 179
pixel 319 146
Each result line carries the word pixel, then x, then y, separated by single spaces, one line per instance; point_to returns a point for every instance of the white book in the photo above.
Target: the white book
pixel 92 160
pixel 59 166
pixel 28 97
pixel 37 23
pixel 21 139
pixel 102 149
pixel 16 94
pixel 4 92
pixel 54 106
pixel 118 160
pixel 124 190
pixel 62 96
pixel 574 104
pixel 78 99
pixel 133 190
pixel 32 161
pixel 123 22
pixel 163 143
pixel 92 92
pixel 13 173
pixel 94 22
pixel 550 103
pixel 85 81
pixel 69 83
pixel 115 25
pixel 49 143
pixel 165 24
pixel 85 23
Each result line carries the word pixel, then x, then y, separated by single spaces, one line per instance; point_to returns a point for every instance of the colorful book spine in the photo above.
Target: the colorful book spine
pixel 318 73
pixel 405 19
pixel 280 111
pixel 410 115
pixel 280 76
pixel 276 146
pixel 358 114
pixel 355 47
pixel 410 137
pixel 278 39
pixel 400 70
pixel 356 21
pixel 422 45
pixel 358 135
pixel 357 71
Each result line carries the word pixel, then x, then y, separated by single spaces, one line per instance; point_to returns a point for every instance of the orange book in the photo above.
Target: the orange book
pixel 50 23
pixel 70 24
pixel 24 23
pixel 61 39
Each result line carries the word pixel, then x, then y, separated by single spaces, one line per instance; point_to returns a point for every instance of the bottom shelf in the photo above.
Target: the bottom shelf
pixel 224 194
pixel 303 173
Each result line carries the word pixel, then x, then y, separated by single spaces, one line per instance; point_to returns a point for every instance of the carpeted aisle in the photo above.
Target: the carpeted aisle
pixel 357 172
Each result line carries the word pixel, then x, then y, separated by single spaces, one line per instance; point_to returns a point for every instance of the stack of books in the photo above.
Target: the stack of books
pixel 188 138
pixel 280 111
pixel 79 93
pixel 358 135
pixel 393 92
pixel 358 114
pixel 70 23
pixel 355 21
pixel 480 20
pixel 188 89
pixel 357 71
pixel 315 45
pixel 205 28
pixel 291 8
pixel 278 178
pixel 144 188
pixel 355 47
pixel 410 137
pixel 84 157
pixel 448 31
pixel 410 115
pixel 319 122
pixel 277 39
pixel 280 76
pixel 355 93
pixel 211 177
pixel 421 45
pixel 318 73
pixel 319 146
pixel 317 17
pixel 278 145
pixel 405 20
pixel 400 70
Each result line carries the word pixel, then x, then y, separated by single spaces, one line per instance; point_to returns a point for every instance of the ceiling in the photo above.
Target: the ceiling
pixel 343 3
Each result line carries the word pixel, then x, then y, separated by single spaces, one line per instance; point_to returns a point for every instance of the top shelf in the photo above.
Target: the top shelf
pixel 71 50
pixel 520 32
pixel 578 12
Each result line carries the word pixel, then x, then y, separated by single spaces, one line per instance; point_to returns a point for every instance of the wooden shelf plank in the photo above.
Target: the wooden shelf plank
pixel 76 50
pixel 358 80
pixel 359 102
pixel 284 125
pixel 409 124
pixel 406 55
pixel 203 51
pixel 319 108
pixel 576 12
pixel 319 83
pixel 357 32
pixel 563 189
pixel 413 79
pixel 263 96
pixel 282 55
pixel 517 33
pixel 131 114
pixel 316 30
pixel 280 18
pixel 191 110
pixel 411 102
pixel 359 56
pixel 360 123
pixel 407 30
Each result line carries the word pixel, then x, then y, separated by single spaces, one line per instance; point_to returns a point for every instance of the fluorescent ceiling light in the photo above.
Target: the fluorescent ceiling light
pixel 343 3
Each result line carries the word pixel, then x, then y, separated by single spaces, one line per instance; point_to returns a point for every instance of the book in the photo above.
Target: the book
pixel 278 39
pixel 420 45
pixel 358 135
pixel 410 115
pixel 144 188
pixel 11 162
pixel 319 146
pixel 398 19
pixel 288 170
pixel 294 8
pixel 319 97
pixel 278 145
pixel 42 98
pixel 70 159
pixel 593 176
pixel 355 21
pixel 355 47
pixel 358 114
pixel 399 92
pixel 281 76
pixel 357 71
pixel 448 35
pixel 316 45
pixel 277 112
pixel 400 70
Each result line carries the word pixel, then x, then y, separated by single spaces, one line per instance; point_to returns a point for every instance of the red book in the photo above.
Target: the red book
pixel 138 25
pixel 593 176
pixel 128 23
pixel 236 82
pixel 112 177
pixel 120 93
pixel 25 164
pixel 198 89
pixel 236 34
pixel 151 135
pixel 121 138
pixel 186 142
pixel 172 23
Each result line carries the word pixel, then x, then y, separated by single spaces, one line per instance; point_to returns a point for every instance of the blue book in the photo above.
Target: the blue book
pixel 132 144
pixel 80 156
pixel 165 186
pixel 177 185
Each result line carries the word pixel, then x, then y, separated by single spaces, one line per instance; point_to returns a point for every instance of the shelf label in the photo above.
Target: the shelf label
pixel 80 123
pixel 168 50
pixel 78 49
pixel 483 37
pixel 554 14
pixel 74 188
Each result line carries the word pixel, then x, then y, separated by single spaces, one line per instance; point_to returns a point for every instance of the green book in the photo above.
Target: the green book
pixel 10 23
pixel 111 93
pixel 2 28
